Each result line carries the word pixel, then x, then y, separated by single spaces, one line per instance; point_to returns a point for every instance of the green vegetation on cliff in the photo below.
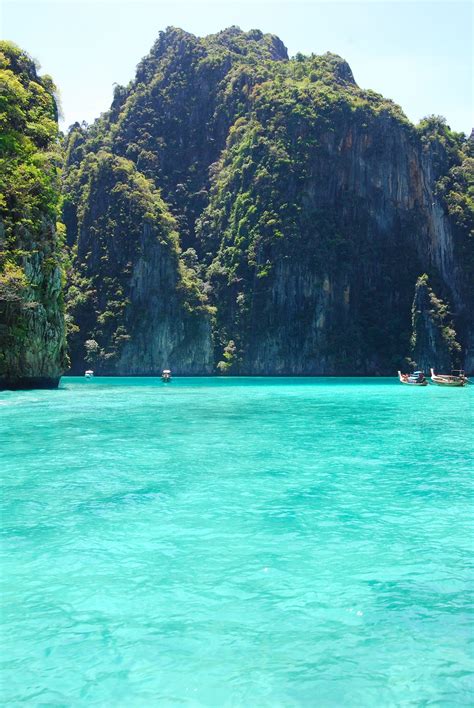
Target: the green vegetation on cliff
pixel 167 126
pixel 123 223
pixel 32 338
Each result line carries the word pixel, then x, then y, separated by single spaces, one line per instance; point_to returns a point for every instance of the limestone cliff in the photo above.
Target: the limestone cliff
pixel 32 330
pixel 304 210
pixel 320 226
pixel 137 305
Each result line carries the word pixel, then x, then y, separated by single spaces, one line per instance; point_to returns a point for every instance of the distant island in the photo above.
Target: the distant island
pixel 235 211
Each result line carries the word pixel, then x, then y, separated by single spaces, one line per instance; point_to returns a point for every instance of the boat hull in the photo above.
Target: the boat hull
pixel 413 383
pixel 449 384
pixel 403 378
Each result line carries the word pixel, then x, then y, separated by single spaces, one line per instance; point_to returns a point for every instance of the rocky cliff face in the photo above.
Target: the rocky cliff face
pixel 132 295
pixel 321 224
pixel 303 211
pixel 32 330
pixel 434 339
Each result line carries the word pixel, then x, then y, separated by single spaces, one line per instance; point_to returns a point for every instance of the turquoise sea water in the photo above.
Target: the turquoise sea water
pixel 238 542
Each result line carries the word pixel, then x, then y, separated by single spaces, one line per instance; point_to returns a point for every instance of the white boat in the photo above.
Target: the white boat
pixel 455 379
pixel 417 378
pixel 89 374
pixel 166 376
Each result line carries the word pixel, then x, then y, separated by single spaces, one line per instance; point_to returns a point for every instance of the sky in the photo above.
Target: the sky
pixel 418 53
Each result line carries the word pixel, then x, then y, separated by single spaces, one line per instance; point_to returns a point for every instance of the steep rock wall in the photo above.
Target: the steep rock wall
pixel 307 207
pixel 333 293
pixel 32 326
pixel 135 304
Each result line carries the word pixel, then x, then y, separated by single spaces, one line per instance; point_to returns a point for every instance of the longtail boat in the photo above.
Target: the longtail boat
pixel 456 378
pixel 417 378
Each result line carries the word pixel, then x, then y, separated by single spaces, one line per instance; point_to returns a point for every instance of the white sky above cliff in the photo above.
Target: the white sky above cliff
pixel 418 53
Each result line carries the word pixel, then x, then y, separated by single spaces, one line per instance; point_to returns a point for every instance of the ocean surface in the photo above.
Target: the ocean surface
pixel 237 542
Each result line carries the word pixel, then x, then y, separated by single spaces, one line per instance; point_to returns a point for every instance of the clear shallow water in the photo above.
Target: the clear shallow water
pixel 240 542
